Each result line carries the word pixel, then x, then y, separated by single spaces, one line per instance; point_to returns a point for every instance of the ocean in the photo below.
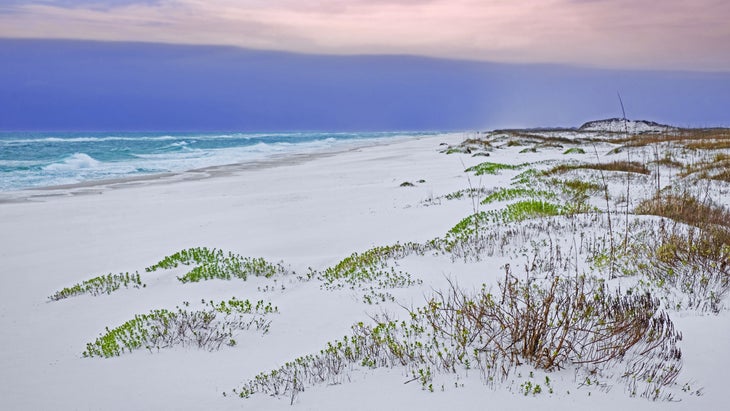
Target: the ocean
pixel 32 160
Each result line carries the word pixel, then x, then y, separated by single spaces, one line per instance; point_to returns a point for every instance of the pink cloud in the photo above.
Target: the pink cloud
pixel 674 34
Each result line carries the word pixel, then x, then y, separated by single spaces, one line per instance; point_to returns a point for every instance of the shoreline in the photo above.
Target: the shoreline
pixel 92 187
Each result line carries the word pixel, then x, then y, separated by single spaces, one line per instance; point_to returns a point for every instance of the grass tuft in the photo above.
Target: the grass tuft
pixel 202 328
pixel 491 168
pixel 105 284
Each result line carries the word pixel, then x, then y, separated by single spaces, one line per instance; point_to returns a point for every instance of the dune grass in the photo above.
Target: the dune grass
pixel 105 284
pixel 208 328
pixel 623 166
pixel 216 264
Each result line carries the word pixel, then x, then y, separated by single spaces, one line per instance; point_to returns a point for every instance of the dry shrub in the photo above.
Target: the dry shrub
pixel 693 271
pixel 718 168
pixel 709 145
pixel 477 142
pixel 689 210
pixel 625 166
pixel 668 162
pixel 571 322
pixel 695 260
pixel 688 136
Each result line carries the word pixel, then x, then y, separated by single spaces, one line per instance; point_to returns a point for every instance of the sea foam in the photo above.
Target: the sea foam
pixel 77 161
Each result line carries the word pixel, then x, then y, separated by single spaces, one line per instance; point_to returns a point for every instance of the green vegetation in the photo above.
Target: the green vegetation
pixel 215 264
pixel 202 329
pixel 519 211
pixel 507 194
pixel 105 284
pixel 691 262
pixel 235 266
pixel 523 210
pixel 370 267
pixel 527 177
pixel 190 256
pixel 566 321
pixel 492 168
pixel 574 150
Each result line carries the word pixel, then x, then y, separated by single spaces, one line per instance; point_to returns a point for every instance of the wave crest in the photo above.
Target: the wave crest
pixel 77 161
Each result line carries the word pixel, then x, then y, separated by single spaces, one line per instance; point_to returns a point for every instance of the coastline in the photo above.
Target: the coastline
pixel 274 160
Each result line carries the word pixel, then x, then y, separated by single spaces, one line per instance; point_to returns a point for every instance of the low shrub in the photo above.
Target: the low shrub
pixel 491 168
pixel 370 267
pixel 202 328
pixel 569 322
pixel 105 284
pixel 215 264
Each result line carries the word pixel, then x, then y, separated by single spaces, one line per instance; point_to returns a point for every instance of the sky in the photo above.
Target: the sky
pixel 359 64
pixel 647 34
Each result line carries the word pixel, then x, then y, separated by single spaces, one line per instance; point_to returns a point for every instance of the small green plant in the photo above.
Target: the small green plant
pixel 215 264
pixel 202 328
pixel 527 177
pixel 370 267
pixel 105 284
pixel 523 210
pixel 491 168
pixel 507 194
pixel 190 256
pixel 574 150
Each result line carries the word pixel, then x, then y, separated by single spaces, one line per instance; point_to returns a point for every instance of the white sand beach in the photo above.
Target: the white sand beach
pixel 312 212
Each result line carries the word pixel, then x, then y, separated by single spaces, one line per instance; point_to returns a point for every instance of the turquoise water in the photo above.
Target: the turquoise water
pixel 29 160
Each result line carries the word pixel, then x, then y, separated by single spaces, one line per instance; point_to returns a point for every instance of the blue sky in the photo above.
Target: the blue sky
pixel 81 85
pixel 359 64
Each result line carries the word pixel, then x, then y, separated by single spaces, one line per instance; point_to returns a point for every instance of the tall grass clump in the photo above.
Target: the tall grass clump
pixel 694 260
pixel 104 284
pixel 624 166
pixel 570 322
pixel 715 168
pixel 208 328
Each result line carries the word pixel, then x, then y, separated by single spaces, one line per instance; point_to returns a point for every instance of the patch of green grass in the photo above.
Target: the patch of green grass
pixel 515 212
pixel 507 194
pixel 469 192
pixel 574 150
pixel 370 267
pixel 190 256
pixel 457 150
pixel 579 186
pixel 523 210
pixel 527 177
pixel 105 284
pixel 491 168
pixel 236 266
pixel 215 264
pixel 209 328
